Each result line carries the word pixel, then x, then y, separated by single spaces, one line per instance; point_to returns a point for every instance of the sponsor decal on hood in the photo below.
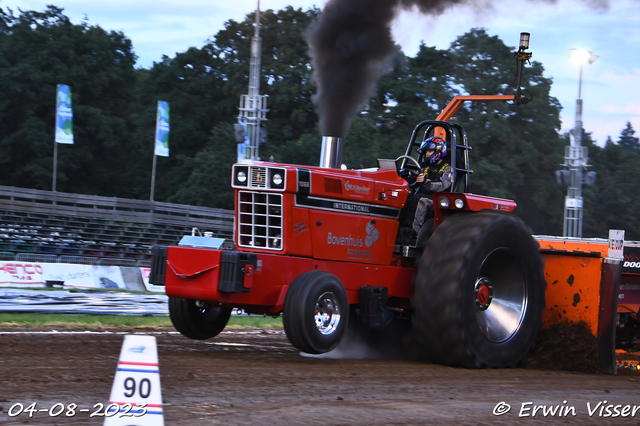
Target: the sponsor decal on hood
pixel 356 188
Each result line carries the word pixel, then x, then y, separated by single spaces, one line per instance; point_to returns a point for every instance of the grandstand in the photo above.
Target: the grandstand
pixel 36 224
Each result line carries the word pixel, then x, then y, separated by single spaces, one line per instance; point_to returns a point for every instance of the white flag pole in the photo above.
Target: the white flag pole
pixel 55 164
pixel 153 170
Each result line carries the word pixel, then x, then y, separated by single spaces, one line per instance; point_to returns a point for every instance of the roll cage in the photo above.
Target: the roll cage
pixel 457 144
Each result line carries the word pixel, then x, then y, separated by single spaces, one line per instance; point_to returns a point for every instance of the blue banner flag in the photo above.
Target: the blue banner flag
pixel 64 115
pixel 162 129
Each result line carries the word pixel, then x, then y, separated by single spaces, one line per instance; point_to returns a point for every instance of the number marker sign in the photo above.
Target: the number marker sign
pixel 135 396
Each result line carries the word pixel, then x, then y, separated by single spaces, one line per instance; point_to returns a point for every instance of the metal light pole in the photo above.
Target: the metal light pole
pixel 253 106
pixel 575 159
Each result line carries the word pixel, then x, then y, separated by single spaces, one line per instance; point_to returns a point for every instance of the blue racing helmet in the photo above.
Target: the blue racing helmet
pixel 435 144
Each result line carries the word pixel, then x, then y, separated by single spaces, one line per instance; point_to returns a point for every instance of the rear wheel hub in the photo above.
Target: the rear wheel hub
pixel 484 294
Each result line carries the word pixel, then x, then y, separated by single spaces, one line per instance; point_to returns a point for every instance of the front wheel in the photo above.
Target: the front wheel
pixel 197 320
pixel 479 291
pixel 316 312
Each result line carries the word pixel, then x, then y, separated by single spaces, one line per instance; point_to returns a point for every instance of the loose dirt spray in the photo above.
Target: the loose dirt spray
pixel 392 341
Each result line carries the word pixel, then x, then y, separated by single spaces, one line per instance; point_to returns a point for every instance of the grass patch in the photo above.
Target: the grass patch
pixel 28 319
pixel 254 321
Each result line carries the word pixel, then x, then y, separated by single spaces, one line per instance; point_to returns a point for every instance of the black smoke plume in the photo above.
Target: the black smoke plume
pixel 351 46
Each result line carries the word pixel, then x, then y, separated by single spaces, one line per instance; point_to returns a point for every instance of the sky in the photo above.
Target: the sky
pixel 610 85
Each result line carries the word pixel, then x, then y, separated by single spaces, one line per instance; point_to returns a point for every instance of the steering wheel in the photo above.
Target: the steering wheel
pixel 410 171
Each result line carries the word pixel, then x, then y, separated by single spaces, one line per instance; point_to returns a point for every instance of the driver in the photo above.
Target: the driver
pixel 435 177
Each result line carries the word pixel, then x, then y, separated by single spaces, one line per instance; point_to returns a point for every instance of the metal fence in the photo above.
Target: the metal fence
pixel 36 258
pixel 79 260
pixel 76 260
pixel 85 228
pixel 113 261
pixel 5 255
pixel 116 209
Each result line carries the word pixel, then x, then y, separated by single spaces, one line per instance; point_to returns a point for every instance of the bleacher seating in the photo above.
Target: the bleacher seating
pixel 63 224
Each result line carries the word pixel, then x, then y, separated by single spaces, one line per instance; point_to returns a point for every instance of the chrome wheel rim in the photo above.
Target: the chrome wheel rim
pixel 500 296
pixel 327 313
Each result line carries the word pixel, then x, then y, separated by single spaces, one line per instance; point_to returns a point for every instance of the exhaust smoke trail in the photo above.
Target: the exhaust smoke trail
pixel 351 46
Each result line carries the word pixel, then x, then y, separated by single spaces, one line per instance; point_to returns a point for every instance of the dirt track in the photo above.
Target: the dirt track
pixel 256 377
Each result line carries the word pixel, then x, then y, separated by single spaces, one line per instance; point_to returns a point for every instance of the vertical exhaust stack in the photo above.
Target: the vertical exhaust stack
pixel 331 154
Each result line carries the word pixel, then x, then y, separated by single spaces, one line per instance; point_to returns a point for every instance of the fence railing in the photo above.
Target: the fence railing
pixel 77 260
pixel 107 261
pixel 36 258
pixel 116 209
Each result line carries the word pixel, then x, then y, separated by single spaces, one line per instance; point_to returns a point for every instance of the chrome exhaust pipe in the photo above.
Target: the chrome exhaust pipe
pixel 331 154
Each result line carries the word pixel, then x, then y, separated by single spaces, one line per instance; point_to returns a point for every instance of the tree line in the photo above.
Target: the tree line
pixel 516 149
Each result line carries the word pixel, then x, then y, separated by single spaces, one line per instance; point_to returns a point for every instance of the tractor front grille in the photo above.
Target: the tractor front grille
pixel 258 177
pixel 260 220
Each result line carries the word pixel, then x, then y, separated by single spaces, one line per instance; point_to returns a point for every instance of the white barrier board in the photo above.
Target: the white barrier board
pixel 35 274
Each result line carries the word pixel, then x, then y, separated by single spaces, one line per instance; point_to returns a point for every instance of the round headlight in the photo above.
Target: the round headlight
pixel 242 177
pixel 459 203
pixel 444 202
pixel 277 179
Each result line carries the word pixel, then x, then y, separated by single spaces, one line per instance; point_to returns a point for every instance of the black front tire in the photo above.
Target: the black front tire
pixel 198 323
pixel 316 312
pixel 479 292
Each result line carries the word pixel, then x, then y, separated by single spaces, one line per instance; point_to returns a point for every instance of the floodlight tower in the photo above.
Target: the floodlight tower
pixel 253 106
pixel 575 159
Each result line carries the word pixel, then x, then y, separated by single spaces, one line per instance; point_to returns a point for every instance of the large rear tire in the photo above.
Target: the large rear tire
pixel 316 312
pixel 198 323
pixel 479 292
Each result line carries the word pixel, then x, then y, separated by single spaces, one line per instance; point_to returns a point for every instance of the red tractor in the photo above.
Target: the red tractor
pixel 325 247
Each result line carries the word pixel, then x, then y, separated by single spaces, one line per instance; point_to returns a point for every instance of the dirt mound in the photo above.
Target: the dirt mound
pixel 569 347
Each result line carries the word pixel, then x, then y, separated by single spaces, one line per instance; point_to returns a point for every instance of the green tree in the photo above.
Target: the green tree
pixel 627 141
pixel 365 144
pixel 39 50
pixel 416 89
pixel 194 86
pixel 210 172
pixel 613 201
pixel 204 86
pixel 285 74
pixel 516 149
